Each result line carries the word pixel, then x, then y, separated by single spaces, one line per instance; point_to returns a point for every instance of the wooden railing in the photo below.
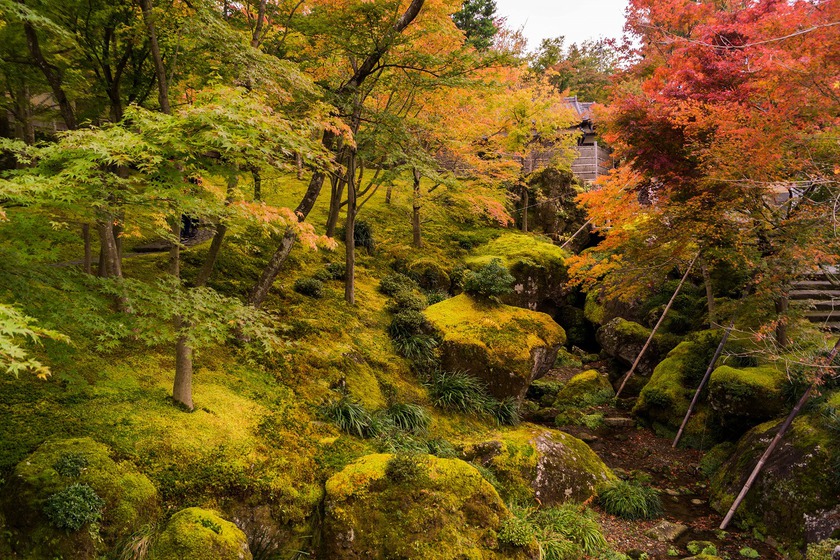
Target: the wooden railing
pixel 592 162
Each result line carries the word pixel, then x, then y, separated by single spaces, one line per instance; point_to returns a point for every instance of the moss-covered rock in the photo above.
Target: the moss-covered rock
pixel 794 499
pixel 128 499
pixel 537 264
pixel 532 462
pixel 744 397
pixel 623 340
pixel 200 534
pixel 441 509
pixel 585 389
pixel 429 274
pixel 506 347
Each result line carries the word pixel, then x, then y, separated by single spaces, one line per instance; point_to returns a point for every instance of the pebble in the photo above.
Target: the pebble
pixel 697 502
pixel 672 492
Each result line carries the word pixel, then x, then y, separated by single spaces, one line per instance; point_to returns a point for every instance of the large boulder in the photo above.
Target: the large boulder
pixel 549 465
pixel 70 499
pixel 536 263
pixel 795 498
pixel 200 534
pixel 412 507
pixel 589 388
pixel 623 340
pixel 744 397
pixel 506 347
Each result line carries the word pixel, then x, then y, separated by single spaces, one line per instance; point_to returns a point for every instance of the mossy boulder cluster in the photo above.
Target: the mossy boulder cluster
pixel 588 388
pixel 623 340
pixel 549 465
pixel 415 507
pixel 200 534
pixel 506 347
pixel 744 397
pixel 106 500
pixel 538 265
pixel 795 498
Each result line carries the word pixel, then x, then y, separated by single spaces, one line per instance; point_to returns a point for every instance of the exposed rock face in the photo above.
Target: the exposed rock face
pixel 506 347
pixel 549 465
pixel 796 496
pixel 439 509
pixel 537 264
pixel 129 499
pixel 559 216
pixel 200 534
pixel 623 340
pixel 744 397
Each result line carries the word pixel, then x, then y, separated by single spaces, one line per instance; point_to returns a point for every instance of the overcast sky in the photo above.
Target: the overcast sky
pixel 576 19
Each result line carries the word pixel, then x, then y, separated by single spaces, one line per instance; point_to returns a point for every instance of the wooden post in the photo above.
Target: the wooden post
pixel 575 234
pixel 769 451
pixel 703 381
pixel 656 327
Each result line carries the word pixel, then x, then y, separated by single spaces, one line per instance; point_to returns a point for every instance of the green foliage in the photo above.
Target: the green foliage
pixel 702 547
pixel 405 300
pixel 573 523
pixel 74 507
pixel 411 418
pixel 460 391
pixel 406 468
pixel 15 328
pixel 822 550
pixel 393 283
pixel 629 500
pixel 71 464
pixel 406 324
pixel 436 296
pixel 362 235
pixel 419 348
pixel 336 271
pixel 748 552
pixel 505 412
pixel 476 19
pixel 441 448
pixel 714 458
pixel 350 416
pixel 517 531
pixel 311 287
pixel 490 281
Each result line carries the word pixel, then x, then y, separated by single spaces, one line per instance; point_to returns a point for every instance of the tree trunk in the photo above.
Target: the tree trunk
pixel 256 36
pixel 175 249
pixel 350 233
pixel 656 327
pixel 255 173
pixel 182 388
pixel 299 165
pixel 388 192
pixel 336 194
pixel 525 208
pixel 25 126
pixel 781 327
pixel 710 295
pixel 88 262
pixel 109 263
pixel 415 211
pixel 52 75
pixel 157 58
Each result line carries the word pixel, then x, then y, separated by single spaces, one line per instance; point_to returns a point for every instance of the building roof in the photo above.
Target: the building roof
pixel 583 108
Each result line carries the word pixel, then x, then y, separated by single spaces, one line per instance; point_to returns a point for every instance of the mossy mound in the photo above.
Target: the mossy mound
pixel 200 534
pixel 506 347
pixel 794 499
pixel 623 340
pixel 429 274
pixel 549 465
pixel 744 397
pixel 589 388
pixel 537 264
pixel 128 499
pixel 437 509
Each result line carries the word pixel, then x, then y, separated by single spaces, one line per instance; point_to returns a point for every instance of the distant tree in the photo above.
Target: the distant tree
pixel 476 18
pixel 581 69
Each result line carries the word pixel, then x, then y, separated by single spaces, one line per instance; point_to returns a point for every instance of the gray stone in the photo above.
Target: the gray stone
pixel 665 531
pixel 619 422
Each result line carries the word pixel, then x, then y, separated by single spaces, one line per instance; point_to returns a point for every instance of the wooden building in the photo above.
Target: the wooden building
pixel 593 159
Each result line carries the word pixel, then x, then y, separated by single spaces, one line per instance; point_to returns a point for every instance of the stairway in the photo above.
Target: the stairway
pixel 819 295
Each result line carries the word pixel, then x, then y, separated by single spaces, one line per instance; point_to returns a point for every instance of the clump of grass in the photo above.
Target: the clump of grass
pixel 71 465
pixel 350 416
pixel 419 348
pixel 459 391
pixel 311 287
pixel 406 324
pixel 517 531
pixel 505 412
pixel 411 418
pixel 567 532
pixel 630 500
pixel 396 282
pixel 573 523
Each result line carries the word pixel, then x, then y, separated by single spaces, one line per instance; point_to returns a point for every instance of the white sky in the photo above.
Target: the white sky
pixel 576 19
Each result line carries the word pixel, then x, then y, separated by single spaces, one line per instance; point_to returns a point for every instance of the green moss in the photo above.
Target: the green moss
pixel 451 512
pixel 747 395
pixel 585 389
pixel 200 534
pixel 429 274
pixel 593 310
pixel 129 498
pixel 497 343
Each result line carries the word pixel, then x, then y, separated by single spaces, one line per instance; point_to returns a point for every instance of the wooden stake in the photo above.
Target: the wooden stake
pixel 656 327
pixel 769 451
pixel 703 381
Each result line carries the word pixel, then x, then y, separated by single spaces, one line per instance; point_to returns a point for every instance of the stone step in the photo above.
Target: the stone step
pixel 815 284
pixel 823 314
pixel 815 294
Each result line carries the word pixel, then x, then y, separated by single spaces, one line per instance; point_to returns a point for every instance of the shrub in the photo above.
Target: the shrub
pixel 517 531
pixel 350 416
pixel 405 468
pixel 333 271
pixel 490 281
pixel 419 348
pixel 748 552
pixel 311 287
pixel 429 274
pixel 406 300
pixel 407 323
pixel 459 391
pixel 506 412
pixel 629 500
pixel 396 282
pixel 409 417
pixel 362 235
pixel 436 296
pixel 71 464
pixel 74 507
pixel 575 524
pixel 441 448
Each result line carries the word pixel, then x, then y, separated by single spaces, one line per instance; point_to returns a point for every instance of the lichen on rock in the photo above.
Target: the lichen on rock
pixel 200 534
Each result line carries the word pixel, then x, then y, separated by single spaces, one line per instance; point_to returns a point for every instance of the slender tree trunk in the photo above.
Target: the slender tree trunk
pixel 415 211
pixel 175 249
pixel 109 263
pixel 525 208
pixel 255 173
pixel 182 388
pixel 782 304
pixel 710 295
pixel 26 127
pixel 88 262
pixel 350 234
pixel 336 194
pixel 388 192
pixel 118 242
pixel 52 75
pixel 218 238
pixel 299 165
pixel 656 327
pixel 775 442
pixel 256 36
pixel 157 58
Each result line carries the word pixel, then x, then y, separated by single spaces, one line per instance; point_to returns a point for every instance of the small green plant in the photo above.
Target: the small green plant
pixel 405 468
pixel 629 500
pixel 397 282
pixel 350 416
pixel 457 390
pixel 311 287
pixel 406 300
pixel 505 412
pixel 210 524
pixel 362 235
pixel 592 421
pixel 702 547
pixel 441 448
pixel 436 296
pixel 517 531
pixel 748 552
pixel 573 523
pixel 74 507
pixel 490 281
pixel 336 270
pixel 71 465
pixel 406 324
pixel 673 551
pixel 411 418
pixel 419 348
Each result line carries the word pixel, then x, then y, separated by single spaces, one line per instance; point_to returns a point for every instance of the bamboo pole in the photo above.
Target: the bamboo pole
pixel 658 324
pixel 575 234
pixel 769 451
pixel 703 381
